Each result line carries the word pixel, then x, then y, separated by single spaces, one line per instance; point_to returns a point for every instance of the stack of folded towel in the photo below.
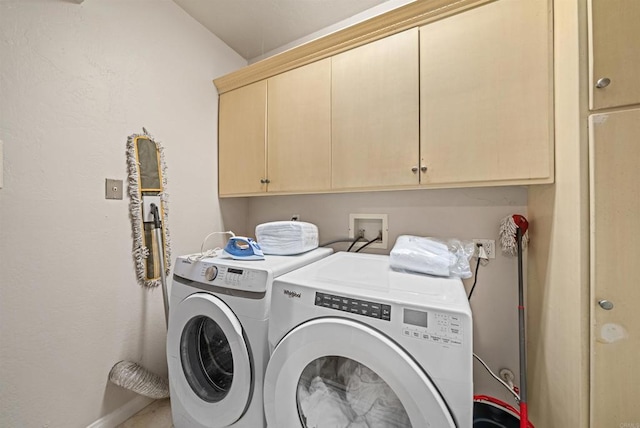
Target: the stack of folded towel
pixel 287 237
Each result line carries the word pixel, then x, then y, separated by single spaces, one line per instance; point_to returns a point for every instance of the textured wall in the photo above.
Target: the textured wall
pixel 75 81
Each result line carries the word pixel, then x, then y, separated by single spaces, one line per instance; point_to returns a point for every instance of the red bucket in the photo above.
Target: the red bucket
pixel 489 412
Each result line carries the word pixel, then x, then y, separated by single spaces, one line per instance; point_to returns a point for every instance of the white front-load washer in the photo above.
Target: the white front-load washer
pixel 217 348
pixel 357 344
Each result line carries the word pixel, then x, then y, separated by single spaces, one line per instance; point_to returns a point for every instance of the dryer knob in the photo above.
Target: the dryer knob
pixel 211 273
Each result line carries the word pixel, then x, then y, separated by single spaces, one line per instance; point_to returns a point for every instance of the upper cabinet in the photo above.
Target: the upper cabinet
pixel 299 129
pixel 433 94
pixel 241 140
pixel 615 53
pixel 486 96
pixel 280 142
pixel 375 120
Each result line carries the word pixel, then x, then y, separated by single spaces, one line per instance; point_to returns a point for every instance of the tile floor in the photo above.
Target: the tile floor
pixel 155 415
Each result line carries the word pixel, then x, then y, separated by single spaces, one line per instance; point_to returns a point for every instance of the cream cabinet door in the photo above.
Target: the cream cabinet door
pixel 241 140
pixel 299 129
pixel 486 95
pixel 615 53
pixel 375 123
pixel 615 256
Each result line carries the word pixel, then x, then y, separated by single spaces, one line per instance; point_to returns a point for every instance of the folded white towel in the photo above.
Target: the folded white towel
pixel 285 238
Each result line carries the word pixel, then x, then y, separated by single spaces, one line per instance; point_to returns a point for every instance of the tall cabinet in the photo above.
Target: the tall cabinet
pixel 615 205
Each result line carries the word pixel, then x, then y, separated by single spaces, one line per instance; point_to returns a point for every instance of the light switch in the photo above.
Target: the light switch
pixel 113 189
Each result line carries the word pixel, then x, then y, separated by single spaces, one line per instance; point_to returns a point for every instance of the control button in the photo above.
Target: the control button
pixel 406 332
pixel 374 313
pixel 318 299
pixel 344 308
pixel 386 313
pixel 416 334
pixel 425 336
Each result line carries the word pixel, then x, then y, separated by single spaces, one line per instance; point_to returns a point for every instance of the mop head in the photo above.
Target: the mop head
pixel 147 176
pixel 136 378
pixel 508 227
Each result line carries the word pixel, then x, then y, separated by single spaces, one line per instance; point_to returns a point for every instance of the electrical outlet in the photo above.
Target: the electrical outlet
pixel 489 246
pixel 369 226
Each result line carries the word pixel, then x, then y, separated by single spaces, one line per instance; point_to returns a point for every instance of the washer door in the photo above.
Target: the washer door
pixel 333 372
pixel 209 361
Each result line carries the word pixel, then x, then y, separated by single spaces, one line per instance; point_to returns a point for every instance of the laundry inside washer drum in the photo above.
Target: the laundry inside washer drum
pixel 207 359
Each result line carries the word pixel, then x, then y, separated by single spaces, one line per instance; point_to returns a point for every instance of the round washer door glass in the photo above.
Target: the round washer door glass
pixel 341 392
pixel 207 359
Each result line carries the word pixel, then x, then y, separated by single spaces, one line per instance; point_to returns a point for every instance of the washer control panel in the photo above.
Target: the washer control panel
pixel 354 306
pixel 233 277
pixel 432 326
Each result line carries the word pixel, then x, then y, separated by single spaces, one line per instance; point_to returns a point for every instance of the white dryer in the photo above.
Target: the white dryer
pixel 356 344
pixel 217 348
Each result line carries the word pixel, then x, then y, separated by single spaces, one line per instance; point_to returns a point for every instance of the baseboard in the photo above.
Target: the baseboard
pixel 122 413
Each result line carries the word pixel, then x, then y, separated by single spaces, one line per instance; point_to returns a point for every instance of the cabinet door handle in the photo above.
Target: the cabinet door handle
pixel 264 181
pixel 423 168
pixel 605 304
pixel 603 82
pixel 414 169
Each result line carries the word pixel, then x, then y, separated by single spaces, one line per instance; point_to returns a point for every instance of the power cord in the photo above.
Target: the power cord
pixel 475 279
pixel 483 259
pixel 211 252
pixel 515 394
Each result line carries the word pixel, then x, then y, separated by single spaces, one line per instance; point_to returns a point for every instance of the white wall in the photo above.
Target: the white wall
pixel 446 213
pixel 75 81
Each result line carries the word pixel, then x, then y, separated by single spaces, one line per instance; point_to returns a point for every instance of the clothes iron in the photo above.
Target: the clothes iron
pixel 242 248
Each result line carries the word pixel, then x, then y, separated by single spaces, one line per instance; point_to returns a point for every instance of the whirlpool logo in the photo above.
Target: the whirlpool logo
pixel 292 294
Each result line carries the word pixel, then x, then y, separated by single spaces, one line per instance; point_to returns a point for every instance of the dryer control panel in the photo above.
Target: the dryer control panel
pixel 432 326
pixel 354 306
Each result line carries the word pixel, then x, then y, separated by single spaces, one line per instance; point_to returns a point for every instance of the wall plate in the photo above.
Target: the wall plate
pixel 370 226
pixel 113 189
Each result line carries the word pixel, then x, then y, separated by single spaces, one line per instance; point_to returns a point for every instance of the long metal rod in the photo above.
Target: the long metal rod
pixel 160 247
pixel 524 417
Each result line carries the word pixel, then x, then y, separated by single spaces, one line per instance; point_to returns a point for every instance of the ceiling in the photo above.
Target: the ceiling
pixel 253 28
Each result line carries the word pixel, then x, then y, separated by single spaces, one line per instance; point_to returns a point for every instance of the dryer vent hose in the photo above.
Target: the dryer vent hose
pixel 136 378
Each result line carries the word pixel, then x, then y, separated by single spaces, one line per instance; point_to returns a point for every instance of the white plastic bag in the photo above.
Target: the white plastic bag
pixel 449 258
